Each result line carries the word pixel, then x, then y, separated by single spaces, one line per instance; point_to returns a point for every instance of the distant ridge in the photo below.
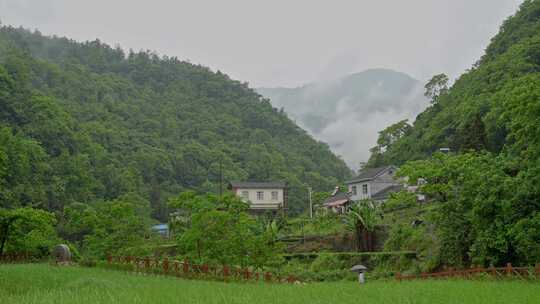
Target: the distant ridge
pixel 100 124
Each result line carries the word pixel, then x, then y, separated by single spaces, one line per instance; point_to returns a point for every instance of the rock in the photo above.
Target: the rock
pixel 61 254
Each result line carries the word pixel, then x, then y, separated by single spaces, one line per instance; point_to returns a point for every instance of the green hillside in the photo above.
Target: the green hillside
pixel 84 122
pixel 493 106
pixel 484 194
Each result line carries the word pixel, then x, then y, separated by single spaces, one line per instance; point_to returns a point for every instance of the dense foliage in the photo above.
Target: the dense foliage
pixel 214 229
pixel 485 212
pixel 83 122
pixel 27 230
pixel 486 192
pixel 493 107
pixel 118 227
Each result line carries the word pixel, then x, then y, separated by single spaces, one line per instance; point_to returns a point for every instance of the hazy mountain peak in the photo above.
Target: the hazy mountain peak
pixel 347 112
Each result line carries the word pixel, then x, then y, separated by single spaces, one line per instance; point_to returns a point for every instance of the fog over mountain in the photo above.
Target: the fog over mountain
pixel 348 112
pixel 280 42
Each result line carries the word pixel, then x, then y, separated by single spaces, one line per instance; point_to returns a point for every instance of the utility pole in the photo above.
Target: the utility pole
pixel 220 177
pixel 310 203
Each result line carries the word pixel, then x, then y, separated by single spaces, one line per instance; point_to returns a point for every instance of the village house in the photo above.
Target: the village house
pixel 263 197
pixel 374 183
pixel 338 201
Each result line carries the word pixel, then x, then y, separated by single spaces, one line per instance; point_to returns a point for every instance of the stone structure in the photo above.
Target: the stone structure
pixel 61 254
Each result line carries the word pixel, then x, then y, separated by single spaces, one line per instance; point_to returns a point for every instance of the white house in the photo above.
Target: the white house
pixel 262 196
pixel 374 183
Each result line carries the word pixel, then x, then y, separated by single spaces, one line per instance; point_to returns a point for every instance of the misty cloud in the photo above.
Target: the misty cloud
pixel 347 113
pixel 27 12
pixel 281 42
pixel 352 135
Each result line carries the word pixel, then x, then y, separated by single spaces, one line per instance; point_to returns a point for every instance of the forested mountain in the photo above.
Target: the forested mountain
pixel 363 102
pixel 494 106
pixel 484 195
pixel 84 122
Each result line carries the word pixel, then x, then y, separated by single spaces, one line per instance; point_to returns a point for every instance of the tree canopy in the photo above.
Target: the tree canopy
pixel 485 192
pixel 84 122
pixel 484 211
pixel 493 106
pixel 219 230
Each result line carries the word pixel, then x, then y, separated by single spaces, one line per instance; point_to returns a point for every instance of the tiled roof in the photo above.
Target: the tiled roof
pixel 337 203
pixel 385 193
pixel 368 174
pixel 336 200
pixel 259 185
pixel 337 197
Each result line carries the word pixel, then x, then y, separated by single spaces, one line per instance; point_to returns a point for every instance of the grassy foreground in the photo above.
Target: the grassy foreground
pixel 49 284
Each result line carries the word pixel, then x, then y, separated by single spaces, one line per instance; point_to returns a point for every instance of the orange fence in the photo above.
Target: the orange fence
pixel 14 258
pixel 190 270
pixel 499 272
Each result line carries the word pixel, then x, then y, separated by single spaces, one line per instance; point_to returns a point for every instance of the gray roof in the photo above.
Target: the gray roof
pixel 385 193
pixel 368 174
pixel 337 197
pixel 258 185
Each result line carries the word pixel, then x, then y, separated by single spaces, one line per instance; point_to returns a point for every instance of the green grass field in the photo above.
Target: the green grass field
pixel 50 284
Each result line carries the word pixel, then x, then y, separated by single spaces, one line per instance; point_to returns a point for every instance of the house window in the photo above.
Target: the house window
pixel 260 195
pixel 274 195
pixel 354 192
pixel 245 195
pixel 364 189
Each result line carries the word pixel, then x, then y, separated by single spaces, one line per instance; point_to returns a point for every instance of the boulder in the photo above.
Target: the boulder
pixel 61 254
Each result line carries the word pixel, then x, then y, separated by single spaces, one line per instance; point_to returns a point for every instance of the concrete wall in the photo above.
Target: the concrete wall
pixel 267 203
pixel 360 195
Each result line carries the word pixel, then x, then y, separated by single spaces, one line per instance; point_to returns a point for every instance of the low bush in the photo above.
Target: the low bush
pixel 326 262
pixel 86 262
pixel 335 266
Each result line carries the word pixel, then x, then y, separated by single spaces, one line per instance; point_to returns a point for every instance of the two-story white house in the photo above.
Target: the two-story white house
pixel 262 196
pixel 374 183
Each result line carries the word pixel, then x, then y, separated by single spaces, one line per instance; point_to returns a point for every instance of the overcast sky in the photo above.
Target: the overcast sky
pixel 282 42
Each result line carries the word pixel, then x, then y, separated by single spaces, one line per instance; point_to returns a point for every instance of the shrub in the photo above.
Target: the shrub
pixel 325 262
pixel 27 230
pixel 88 262
pixel 218 230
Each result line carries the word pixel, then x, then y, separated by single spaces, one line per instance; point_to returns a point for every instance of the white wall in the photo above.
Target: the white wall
pixel 267 203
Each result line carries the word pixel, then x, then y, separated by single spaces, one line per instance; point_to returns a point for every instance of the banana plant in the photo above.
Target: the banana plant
pixel 361 219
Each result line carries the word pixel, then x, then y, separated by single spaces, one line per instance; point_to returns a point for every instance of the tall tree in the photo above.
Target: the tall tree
pixel 436 87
